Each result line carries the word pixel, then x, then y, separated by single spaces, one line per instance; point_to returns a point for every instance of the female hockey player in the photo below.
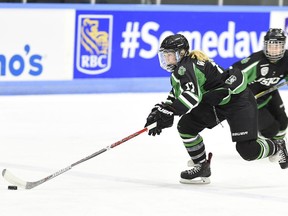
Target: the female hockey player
pixel 203 94
pixel 265 69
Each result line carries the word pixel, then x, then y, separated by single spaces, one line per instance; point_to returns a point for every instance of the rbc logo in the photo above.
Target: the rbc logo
pixel 94 44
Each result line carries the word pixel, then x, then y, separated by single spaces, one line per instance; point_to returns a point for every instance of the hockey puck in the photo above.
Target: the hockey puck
pixel 12 187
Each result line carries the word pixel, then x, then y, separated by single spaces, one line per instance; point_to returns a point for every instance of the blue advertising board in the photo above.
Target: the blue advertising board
pixel 123 44
pixel 114 48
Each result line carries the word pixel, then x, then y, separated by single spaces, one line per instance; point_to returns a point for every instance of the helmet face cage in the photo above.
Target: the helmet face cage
pixel 172 49
pixel 168 59
pixel 274 44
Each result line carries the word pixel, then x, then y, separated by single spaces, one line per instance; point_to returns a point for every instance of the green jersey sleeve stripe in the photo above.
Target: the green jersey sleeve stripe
pixel 241 87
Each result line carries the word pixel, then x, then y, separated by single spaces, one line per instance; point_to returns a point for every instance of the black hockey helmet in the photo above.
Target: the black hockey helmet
pixel 174 44
pixel 274 44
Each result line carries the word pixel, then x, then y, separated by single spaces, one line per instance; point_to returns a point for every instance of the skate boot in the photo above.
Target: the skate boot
pixel 281 155
pixel 199 174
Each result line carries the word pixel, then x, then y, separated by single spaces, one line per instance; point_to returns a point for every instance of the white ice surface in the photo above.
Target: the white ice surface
pixel 43 134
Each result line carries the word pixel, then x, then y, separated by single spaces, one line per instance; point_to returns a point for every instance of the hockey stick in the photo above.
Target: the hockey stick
pixel 29 185
pixel 273 88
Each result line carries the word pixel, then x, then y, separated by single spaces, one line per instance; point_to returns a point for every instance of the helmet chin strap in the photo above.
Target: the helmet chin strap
pixel 273 62
pixel 171 68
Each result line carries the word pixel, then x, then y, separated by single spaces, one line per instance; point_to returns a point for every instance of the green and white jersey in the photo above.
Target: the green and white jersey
pixel 195 81
pixel 262 74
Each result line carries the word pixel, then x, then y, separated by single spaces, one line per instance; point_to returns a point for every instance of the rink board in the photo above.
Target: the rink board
pixel 83 48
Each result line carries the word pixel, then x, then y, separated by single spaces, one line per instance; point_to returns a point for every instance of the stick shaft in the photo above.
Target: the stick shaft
pixel 109 147
pixel 273 88
pixel 29 185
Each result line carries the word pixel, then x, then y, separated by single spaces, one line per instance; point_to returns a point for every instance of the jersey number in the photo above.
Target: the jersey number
pixel 190 87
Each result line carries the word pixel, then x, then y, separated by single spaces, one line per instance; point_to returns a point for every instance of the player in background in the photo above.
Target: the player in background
pixel 203 95
pixel 263 70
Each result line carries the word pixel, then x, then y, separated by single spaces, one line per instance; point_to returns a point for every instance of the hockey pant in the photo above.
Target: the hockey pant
pixel 272 118
pixel 242 116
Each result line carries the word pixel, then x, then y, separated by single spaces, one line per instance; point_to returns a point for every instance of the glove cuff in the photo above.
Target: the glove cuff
pixel 165 109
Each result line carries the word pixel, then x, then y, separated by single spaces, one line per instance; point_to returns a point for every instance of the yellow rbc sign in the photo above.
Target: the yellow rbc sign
pixel 94 44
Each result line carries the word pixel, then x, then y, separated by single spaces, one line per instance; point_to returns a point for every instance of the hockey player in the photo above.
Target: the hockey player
pixel 203 94
pixel 265 69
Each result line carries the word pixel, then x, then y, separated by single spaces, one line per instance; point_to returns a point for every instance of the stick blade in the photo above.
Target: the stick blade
pixel 8 176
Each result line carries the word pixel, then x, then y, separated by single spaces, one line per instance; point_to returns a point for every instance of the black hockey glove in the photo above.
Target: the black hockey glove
pixel 164 116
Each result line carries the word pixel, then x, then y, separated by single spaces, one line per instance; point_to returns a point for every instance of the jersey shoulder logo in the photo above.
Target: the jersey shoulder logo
pixel 264 71
pixel 230 80
pixel 181 70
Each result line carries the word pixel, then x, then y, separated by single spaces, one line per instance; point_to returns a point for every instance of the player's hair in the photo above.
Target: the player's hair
pixel 197 54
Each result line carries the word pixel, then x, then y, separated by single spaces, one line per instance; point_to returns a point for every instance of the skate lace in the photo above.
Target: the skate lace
pixel 195 169
pixel 283 157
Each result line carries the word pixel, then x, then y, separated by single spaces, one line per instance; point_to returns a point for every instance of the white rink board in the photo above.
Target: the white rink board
pixel 49 33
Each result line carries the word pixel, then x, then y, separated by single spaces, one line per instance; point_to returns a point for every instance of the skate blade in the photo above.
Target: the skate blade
pixel 198 180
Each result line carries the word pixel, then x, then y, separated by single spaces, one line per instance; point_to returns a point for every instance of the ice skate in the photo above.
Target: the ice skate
pixel 199 174
pixel 281 155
